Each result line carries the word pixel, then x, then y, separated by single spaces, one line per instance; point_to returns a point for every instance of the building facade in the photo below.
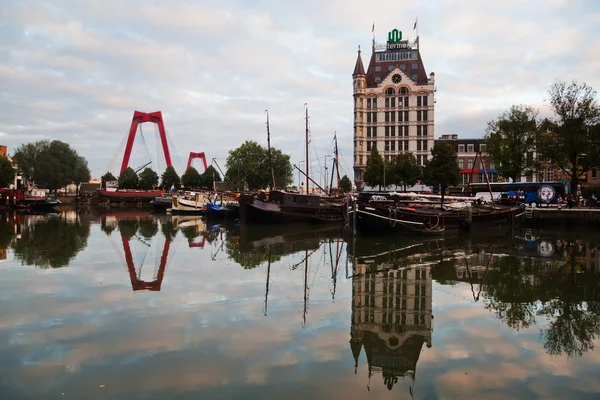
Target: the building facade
pixel 472 166
pixel 393 103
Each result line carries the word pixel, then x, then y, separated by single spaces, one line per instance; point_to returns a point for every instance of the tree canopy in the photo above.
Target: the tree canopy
pixel 511 141
pixel 52 165
pixel 191 178
pixel 345 184
pixel 168 178
pixel 404 170
pixel 148 179
pixel 442 170
pixel 574 146
pixel 373 175
pixel 107 177
pixel 249 164
pixel 128 179
pixel 208 176
pixel 7 172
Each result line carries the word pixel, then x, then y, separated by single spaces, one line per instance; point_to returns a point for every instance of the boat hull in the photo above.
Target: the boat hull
pixel 187 206
pixel 145 196
pixel 264 212
pixel 369 219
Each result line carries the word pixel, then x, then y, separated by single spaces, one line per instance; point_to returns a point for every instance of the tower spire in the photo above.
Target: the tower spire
pixel 359 69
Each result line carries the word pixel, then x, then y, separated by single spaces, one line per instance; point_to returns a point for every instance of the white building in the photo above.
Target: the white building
pixel 393 103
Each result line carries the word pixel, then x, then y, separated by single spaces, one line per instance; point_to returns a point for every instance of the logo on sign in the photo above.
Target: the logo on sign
pixel 394 36
pixel 395 42
pixel 546 193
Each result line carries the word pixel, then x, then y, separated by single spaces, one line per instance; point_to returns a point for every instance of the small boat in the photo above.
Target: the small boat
pixel 191 202
pixel 162 202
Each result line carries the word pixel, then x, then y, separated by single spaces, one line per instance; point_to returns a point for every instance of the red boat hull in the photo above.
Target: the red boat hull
pixel 143 195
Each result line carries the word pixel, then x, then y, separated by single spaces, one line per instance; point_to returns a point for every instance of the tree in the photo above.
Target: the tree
pixel 574 146
pixel 148 179
pixel 511 141
pixel 168 178
pixel 7 172
pixel 442 169
pixel 52 165
pixel 248 164
pixel 191 178
pixel 208 176
pixel 128 179
pixel 107 177
pixel 404 170
pixel 373 175
pixel 346 184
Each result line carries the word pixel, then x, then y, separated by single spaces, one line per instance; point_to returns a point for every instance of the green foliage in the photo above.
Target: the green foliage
pixel 509 138
pixel 574 146
pixel 148 179
pixel 590 190
pixel 7 233
pixel 107 177
pixel 249 259
pixel 52 165
pixel 148 228
pixel 404 170
pixel 206 179
pixel 373 175
pixel 128 179
pixel 7 172
pixel 442 169
pixel 191 178
pixel 168 178
pixel 346 184
pixel 249 164
pixel 128 227
pixel 51 243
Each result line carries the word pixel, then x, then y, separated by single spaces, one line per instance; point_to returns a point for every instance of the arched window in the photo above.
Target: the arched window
pixel 390 92
pixel 403 90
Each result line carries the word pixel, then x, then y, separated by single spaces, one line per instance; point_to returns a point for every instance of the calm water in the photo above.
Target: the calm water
pixel 135 306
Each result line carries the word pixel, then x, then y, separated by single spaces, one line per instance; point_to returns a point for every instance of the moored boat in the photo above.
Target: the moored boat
pixel 190 203
pixel 144 196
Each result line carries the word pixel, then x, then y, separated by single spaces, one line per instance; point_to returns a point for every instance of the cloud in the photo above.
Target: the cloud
pixel 76 72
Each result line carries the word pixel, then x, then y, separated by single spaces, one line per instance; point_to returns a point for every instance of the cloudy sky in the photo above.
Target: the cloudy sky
pixel 76 71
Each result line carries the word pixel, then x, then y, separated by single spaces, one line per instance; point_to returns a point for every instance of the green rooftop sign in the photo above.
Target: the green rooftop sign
pixel 395 42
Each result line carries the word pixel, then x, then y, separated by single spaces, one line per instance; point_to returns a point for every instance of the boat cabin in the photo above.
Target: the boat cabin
pixel 294 199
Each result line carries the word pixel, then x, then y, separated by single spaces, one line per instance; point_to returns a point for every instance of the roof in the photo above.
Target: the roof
pixel 358 68
pixel 422 78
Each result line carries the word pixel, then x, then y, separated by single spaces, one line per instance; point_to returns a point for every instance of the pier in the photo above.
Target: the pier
pixel 564 215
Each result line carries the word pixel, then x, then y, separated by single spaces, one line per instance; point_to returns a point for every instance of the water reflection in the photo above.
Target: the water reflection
pixel 391 309
pixel 48 242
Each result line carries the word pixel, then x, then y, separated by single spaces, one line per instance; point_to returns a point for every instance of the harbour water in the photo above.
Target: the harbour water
pixel 130 305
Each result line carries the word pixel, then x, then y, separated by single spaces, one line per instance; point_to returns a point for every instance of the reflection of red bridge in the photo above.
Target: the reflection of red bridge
pixel 138 284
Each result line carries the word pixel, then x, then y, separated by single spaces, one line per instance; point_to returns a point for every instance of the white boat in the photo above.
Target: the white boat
pixel 190 202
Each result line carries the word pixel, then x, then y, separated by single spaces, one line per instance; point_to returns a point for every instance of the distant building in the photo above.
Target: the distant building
pixel 393 103
pixel 470 165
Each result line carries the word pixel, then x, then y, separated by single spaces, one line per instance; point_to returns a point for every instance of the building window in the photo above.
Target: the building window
pixel 425 145
pixel 414 77
pixel 425 101
pixel 461 148
pixel 419 159
pixel 549 175
pixel 368 103
pixel 377 68
pixel 403 90
pixel 387 145
pixel 594 173
pixel 418 101
pixel 425 116
pixel 387 129
pixel 403 67
pixel 368 131
pixel 405 130
pixel 369 145
pixel 470 163
pixel 399 116
pixel 482 148
pixel 424 130
pixel 377 79
pixel 374 104
pixel 419 115
pixel 368 117
pixel 418 145
pixel 406 101
pixel 392 128
pixel 390 92
pixel 374 131
pixel 393 102
pixel 470 148
pixel 461 163
pixel 406 144
pixel 391 67
pixel 406 116
pixel 418 130
pixel 393 145
pixel 414 66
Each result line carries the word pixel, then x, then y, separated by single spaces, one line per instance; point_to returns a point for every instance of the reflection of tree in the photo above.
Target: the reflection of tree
pixel 107 228
pixel 167 230
pixel 7 233
pixel 148 228
pixel 250 259
pixel 190 232
pixel 509 292
pixel 128 227
pixel 51 243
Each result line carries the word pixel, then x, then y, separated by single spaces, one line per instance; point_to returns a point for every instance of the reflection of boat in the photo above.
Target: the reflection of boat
pixel 162 202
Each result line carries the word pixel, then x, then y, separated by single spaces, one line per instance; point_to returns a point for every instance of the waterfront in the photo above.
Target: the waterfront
pixel 134 306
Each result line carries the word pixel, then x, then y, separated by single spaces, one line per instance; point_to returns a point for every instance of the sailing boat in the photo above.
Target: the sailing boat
pixel 279 206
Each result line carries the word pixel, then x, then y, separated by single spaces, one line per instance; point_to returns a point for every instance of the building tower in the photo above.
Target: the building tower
pixel 393 103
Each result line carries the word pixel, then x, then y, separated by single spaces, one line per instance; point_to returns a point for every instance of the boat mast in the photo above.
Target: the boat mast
pixel 272 183
pixel 306 107
pixel 337 165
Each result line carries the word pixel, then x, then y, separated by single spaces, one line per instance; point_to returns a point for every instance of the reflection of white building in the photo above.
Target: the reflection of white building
pixel 391 318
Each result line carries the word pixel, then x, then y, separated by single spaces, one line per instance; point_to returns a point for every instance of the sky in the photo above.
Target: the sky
pixel 76 71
